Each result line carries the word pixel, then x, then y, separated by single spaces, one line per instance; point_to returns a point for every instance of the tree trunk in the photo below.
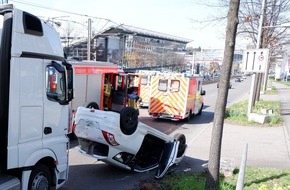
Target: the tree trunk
pixel 212 179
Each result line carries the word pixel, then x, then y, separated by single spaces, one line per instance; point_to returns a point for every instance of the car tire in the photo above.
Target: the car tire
pixel 93 105
pixel 40 178
pixel 128 120
pixel 182 144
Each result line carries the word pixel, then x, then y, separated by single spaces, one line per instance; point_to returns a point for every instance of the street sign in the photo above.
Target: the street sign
pixel 255 60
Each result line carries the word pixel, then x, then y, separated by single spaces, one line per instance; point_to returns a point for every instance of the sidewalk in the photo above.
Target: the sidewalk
pixel 267 146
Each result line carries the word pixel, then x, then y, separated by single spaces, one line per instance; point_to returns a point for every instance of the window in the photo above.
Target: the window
pixel 162 85
pixel 199 86
pixel 32 24
pixel 144 80
pixel 55 84
pixel 174 86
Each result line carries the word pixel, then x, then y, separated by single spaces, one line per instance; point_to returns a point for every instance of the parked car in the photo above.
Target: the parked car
pixel 121 140
pixel 238 79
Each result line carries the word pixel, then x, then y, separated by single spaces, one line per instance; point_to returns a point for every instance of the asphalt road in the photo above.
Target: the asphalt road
pixel 90 174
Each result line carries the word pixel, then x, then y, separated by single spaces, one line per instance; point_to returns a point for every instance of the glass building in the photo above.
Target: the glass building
pixel 133 47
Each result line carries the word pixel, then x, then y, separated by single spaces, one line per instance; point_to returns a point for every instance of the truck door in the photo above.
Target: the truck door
pixel 159 95
pixel 145 89
pixel 177 97
pixel 198 96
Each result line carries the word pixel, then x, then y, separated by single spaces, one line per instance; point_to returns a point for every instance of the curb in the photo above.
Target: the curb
pixel 287 138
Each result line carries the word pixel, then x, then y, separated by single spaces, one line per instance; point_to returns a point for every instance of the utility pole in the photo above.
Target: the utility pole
pixel 260 75
pixel 254 85
pixel 89 39
pixel 193 62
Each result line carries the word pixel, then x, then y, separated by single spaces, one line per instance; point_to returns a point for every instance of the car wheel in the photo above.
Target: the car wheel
pixel 93 105
pixel 40 178
pixel 182 144
pixel 128 120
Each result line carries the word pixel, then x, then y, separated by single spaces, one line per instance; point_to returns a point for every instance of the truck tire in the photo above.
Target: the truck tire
pixel 93 105
pixel 182 144
pixel 200 111
pixel 189 116
pixel 128 120
pixel 40 178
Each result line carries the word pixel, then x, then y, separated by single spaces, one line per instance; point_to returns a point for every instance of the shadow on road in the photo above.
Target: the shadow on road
pixel 103 176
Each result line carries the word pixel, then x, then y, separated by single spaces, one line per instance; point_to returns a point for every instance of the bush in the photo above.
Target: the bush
pixel 237 113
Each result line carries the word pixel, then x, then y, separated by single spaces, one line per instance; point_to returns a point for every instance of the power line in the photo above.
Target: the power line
pixel 63 11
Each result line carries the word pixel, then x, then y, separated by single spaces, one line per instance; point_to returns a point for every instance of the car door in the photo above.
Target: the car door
pixel 167 159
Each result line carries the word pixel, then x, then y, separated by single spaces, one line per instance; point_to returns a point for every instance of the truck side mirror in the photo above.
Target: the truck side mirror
pixel 59 81
pixel 70 91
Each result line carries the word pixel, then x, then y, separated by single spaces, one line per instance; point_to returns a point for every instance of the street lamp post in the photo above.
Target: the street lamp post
pixel 89 39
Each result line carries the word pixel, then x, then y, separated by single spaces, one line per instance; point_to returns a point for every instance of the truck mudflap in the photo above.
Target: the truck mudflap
pixel 167 159
pixel 9 182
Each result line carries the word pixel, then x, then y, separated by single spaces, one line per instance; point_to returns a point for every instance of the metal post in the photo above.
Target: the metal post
pixel 240 182
pixel 266 75
pixel 254 78
pixel 89 40
pixel 193 62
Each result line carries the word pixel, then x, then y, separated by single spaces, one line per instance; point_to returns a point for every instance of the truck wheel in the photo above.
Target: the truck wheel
pixel 200 111
pixel 40 178
pixel 93 105
pixel 189 116
pixel 182 143
pixel 128 120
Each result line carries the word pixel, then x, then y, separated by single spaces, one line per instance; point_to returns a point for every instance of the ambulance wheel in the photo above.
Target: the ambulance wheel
pixel 93 105
pixel 200 111
pixel 128 120
pixel 40 178
pixel 182 144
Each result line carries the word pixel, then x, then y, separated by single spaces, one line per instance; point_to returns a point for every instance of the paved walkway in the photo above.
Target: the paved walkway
pixel 267 146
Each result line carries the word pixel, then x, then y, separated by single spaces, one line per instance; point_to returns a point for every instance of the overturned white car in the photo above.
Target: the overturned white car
pixel 119 139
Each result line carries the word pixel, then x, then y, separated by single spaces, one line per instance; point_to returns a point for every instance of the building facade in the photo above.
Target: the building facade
pixel 133 47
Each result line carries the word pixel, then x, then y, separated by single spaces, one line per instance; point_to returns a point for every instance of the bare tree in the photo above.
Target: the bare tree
pixel 273 37
pixel 217 131
pixel 277 12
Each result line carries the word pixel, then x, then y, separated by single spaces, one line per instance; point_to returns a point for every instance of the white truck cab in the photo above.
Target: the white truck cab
pixel 35 90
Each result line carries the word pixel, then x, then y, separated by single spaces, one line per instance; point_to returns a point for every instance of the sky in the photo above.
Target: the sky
pixel 174 17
